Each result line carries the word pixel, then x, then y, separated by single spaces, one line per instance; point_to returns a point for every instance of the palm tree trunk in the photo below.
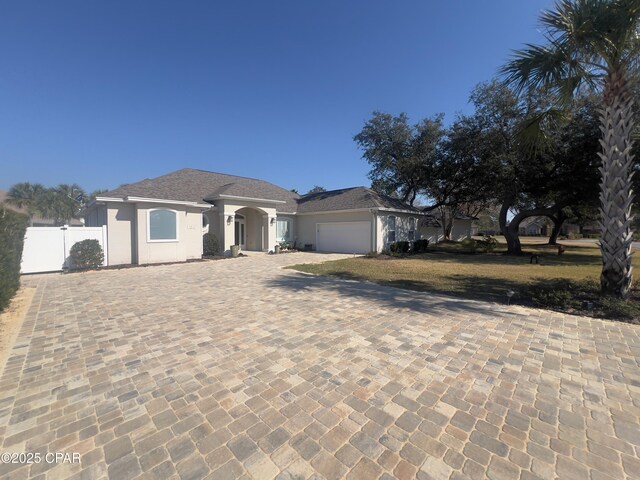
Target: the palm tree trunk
pixel 616 196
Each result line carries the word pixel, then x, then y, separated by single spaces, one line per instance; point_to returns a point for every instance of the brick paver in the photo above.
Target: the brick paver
pixel 240 369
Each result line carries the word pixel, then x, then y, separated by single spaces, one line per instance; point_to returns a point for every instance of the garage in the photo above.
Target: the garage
pixel 344 237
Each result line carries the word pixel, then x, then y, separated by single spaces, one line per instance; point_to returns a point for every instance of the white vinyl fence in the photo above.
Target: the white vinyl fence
pixel 46 249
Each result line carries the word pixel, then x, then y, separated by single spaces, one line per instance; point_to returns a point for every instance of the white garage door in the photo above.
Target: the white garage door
pixel 345 237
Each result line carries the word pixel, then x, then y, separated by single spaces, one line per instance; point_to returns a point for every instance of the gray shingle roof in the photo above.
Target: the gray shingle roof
pixel 199 185
pixel 193 185
pixel 349 199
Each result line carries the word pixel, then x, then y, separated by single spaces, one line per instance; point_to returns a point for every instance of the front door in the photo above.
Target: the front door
pixel 240 232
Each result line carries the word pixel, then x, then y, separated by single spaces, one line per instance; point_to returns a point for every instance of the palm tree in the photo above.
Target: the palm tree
pixel 65 203
pixel 595 43
pixel 30 196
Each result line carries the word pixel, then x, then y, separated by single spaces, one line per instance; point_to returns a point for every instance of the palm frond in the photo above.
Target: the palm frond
pixel 535 66
pixel 532 133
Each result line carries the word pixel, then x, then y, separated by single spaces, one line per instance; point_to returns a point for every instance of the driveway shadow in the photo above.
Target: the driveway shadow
pixel 387 295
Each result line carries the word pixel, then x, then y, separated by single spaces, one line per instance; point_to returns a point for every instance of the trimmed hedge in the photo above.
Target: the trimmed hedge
pixel 399 247
pixel 421 245
pixel 210 246
pixel 13 226
pixel 86 254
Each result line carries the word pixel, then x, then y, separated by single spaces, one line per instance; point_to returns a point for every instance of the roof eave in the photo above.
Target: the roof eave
pixel 164 201
pixel 250 199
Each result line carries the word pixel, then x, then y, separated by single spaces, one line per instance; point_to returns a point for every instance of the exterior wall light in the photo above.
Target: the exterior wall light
pixel 229 219
pixel 273 221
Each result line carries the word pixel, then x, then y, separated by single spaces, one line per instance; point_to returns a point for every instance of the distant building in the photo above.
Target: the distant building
pixel 535 226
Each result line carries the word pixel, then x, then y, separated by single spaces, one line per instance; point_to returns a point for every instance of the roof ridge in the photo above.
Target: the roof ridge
pixel 331 191
pixel 223 174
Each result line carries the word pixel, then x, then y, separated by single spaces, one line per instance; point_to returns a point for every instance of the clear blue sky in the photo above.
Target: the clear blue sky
pixel 102 93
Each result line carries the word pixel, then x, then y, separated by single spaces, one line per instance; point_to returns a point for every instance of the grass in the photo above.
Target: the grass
pixel 448 269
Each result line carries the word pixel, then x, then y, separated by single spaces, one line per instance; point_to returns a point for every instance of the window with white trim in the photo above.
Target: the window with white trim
pixel 163 225
pixel 411 235
pixel 283 230
pixel 391 229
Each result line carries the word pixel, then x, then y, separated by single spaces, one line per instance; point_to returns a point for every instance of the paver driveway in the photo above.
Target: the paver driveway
pixel 239 369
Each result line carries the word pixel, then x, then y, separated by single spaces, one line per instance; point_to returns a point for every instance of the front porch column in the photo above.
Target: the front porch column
pixel 269 224
pixel 228 230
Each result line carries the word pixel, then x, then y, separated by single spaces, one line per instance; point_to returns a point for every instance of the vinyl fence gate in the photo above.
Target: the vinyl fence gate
pixel 46 249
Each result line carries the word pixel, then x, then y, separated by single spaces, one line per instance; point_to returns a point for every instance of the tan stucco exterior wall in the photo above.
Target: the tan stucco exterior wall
pixel 305 225
pixel 188 246
pixel 121 221
pixel 402 228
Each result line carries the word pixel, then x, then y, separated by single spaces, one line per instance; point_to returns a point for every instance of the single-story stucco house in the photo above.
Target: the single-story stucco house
pixel 163 219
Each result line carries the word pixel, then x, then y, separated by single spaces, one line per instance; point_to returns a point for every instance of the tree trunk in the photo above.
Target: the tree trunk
pixel 446 218
pixel 616 196
pixel 514 246
pixel 511 231
pixel 448 227
pixel 558 221
pixel 512 238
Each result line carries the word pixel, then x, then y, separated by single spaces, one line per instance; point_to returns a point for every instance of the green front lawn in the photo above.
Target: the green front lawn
pixel 449 270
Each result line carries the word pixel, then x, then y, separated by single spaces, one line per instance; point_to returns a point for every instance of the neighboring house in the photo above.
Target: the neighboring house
pixel 163 219
pixel 535 226
pixel 589 229
pixel 543 226
pixel 37 220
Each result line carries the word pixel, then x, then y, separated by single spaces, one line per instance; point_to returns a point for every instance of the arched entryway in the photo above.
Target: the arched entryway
pixel 249 229
pixel 252 228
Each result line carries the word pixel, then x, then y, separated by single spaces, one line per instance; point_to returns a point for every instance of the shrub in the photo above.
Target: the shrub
pixel 617 308
pixel 210 246
pixel 470 245
pixel 86 254
pixel 557 293
pixel 13 226
pixel 284 245
pixel 574 236
pixel 421 245
pixel 488 243
pixel 399 247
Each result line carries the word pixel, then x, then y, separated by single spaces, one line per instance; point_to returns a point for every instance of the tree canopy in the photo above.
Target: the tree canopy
pixel 595 43
pixel 316 189
pixel 403 157
pixel 60 204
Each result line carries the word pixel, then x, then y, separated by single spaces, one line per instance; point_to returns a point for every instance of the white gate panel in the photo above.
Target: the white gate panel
pixel 46 249
pixel 43 250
